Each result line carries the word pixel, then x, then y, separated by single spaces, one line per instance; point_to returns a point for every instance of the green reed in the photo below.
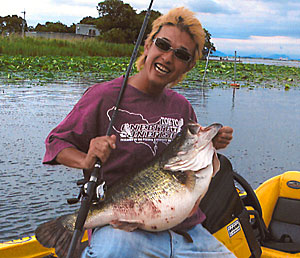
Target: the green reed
pixel 29 46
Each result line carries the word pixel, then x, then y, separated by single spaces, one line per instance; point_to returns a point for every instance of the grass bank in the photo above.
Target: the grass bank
pixel 15 45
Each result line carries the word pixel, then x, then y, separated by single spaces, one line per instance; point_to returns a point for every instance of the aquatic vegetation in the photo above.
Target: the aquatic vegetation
pixel 247 75
pixel 41 69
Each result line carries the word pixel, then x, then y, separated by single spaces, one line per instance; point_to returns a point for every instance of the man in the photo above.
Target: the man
pixel 148 109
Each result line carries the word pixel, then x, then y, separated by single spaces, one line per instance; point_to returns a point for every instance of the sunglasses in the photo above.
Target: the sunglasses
pixel 165 46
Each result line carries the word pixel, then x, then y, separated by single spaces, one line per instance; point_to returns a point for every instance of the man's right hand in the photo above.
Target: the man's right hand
pixel 100 147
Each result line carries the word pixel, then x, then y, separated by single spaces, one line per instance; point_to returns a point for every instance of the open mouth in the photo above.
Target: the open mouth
pixel 161 69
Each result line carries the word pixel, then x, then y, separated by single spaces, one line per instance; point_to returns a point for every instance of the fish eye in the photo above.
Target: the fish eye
pixel 193 128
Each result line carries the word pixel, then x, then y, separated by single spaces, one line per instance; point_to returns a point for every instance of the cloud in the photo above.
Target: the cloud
pixel 251 27
pixel 254 18
pixel 201 6
pixel 210 7
pixel 260 45
pixel 240 20
pixel 65 11
pixel 73 3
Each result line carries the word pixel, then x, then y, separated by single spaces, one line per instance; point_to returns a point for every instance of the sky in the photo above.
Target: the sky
pixel 250 27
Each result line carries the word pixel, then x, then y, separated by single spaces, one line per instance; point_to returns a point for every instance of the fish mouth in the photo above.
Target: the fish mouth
pixel 197 150
pixel 161 68
pixel 206 134
pixel 203 135
pixel 214 126
pixel 213 129
pixel 196 129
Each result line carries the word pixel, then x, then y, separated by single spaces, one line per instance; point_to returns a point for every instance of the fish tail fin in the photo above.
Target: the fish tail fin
pixel 57 234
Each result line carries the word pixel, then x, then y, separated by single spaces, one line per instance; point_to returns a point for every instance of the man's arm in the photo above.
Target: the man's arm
pixel 100 147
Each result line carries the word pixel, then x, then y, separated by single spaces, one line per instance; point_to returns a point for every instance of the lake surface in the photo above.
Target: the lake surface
pixel 266 143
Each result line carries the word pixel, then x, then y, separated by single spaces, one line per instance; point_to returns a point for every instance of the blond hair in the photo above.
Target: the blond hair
pixel 186 21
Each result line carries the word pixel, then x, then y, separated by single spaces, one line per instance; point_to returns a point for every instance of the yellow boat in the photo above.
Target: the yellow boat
pixel 279 198
pixel 261 223
pixel 29 247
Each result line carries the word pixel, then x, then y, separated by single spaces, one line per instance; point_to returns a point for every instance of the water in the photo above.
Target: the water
pixel 266 126
pixel 266 143
pixel 31 192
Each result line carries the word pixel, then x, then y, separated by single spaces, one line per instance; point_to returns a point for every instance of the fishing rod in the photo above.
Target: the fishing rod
pixel 91 186
pixel 207 58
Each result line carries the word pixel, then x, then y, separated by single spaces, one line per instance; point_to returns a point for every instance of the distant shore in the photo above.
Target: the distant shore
pixel 266 61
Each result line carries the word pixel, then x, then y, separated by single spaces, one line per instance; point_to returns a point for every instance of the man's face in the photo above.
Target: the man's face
pixel 163 67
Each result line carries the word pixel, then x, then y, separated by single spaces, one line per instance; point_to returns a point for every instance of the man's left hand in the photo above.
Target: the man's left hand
pixel 223 138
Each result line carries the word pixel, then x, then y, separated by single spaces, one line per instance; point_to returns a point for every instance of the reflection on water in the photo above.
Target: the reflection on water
pixel 266 143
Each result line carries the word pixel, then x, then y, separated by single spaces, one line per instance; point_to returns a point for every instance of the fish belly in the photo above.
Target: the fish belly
pixel 151 214
pixel 159 203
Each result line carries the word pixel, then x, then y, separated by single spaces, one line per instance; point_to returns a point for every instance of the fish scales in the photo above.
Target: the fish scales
pixel 158 197
pixel 149 182
pixel 144 190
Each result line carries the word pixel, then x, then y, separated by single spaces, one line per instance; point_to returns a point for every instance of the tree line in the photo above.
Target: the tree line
pixel 12 24
pixel 118 22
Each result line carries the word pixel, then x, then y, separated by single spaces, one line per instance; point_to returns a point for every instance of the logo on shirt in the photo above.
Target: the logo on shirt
pixel 142 131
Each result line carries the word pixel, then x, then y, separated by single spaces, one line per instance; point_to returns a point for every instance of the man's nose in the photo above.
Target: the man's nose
pixel 168 56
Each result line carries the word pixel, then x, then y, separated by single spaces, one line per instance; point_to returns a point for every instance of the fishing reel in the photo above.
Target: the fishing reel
pixel 98 196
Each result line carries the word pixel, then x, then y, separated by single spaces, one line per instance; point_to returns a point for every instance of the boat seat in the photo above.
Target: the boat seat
pixel 284 227
pixel 286 219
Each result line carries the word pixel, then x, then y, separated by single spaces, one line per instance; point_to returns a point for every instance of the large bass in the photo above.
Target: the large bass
pixel 155 198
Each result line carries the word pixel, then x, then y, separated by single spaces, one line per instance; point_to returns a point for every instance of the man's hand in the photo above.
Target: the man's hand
pixel 100 147
pixel 223 138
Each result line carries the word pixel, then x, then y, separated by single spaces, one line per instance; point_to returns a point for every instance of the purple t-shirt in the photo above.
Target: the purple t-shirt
pixel 144 126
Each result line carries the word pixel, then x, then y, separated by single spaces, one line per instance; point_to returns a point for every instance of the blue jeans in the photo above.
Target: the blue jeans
pixel 110 242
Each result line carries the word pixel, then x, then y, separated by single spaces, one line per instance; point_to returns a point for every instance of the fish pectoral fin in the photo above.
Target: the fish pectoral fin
pixel 190 180
pixel 216 164
pixel 126 225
